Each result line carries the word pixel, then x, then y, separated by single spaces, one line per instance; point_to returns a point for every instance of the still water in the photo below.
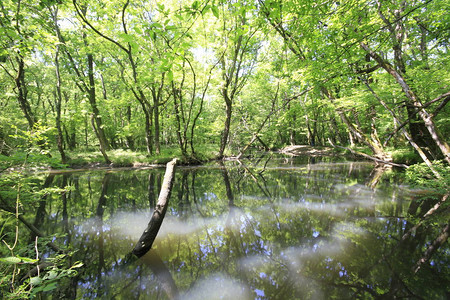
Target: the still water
pixel 269 228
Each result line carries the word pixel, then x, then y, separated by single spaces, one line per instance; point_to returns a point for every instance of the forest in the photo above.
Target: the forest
pixel 222 76
pixel 125 83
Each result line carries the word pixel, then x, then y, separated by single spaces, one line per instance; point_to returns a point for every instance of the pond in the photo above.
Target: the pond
pixel 268 228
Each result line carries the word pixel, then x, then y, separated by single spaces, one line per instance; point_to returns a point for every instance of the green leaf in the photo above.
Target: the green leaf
pixel 11 260
pixel 28 260
pixel 51 275
pixel 35 280
pixel 170 76
pixel 171 27
pixel 215 11
pixel 49 287
pixel 157 25
pixel 78 264
pixel 161 7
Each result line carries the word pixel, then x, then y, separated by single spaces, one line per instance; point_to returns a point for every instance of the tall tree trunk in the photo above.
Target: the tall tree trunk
pixel 147 109
pixel 156 95
pixel 58 102
pixel 226 126
pixel 157 128
pixel 22 92
pixel 104 146
pixel 129 138
pixel 177 100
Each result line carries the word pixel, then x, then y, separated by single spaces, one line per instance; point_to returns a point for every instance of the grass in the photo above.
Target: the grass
pixel 126 158
pixel 93 157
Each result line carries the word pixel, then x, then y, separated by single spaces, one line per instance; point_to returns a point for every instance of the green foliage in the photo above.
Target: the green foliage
pixel 30 161
pixel 420 175
pixel 52 277
pixel 49 279
pixel 405 156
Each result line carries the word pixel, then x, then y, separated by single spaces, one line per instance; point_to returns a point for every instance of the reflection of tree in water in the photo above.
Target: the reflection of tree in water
pixel 299 232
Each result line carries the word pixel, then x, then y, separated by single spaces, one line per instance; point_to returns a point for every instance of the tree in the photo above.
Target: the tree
pixel 17 45
pixel 86 82
pixel 332 42
pixel 238 51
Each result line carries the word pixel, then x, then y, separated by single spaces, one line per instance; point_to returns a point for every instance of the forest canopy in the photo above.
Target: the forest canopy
pixel 225 75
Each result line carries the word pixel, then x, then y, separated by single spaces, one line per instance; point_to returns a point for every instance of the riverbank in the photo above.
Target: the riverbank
pixel 121 158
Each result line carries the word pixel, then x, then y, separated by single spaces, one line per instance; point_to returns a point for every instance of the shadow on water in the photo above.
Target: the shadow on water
pixel 268 228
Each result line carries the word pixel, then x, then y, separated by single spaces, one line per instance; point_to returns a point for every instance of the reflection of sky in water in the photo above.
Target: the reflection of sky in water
pixel 257 245
pixel 129 226
pixel 218 286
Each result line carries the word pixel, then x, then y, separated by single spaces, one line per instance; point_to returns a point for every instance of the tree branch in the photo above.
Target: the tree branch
pixel 95 29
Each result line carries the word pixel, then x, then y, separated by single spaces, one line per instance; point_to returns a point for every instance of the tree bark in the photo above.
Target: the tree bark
pixel 148 237
pixel 92 100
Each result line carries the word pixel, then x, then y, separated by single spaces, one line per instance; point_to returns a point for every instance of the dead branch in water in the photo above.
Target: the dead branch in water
pixel 148 237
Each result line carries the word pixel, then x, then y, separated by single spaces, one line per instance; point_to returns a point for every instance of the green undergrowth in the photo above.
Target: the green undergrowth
pixel 405 156
pixel 30 161
pixel 93 158
pixel 421 176
pixel 125 158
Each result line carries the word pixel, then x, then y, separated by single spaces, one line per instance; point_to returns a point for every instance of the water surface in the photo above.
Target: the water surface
pixel 269 228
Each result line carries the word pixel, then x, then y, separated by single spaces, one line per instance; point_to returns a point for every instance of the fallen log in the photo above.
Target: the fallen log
pixel 148 237
pixel 375 159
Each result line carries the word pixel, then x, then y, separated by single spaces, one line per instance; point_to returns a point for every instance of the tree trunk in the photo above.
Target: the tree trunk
pixel 156 95
pixel 58 102
pixel 376 149
pixel 102 150
pixel 414 100
pixel 129 138
pixel 177 100
pixel 226 126
pixel 92 100
pixel 157 128
pixel 22 93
